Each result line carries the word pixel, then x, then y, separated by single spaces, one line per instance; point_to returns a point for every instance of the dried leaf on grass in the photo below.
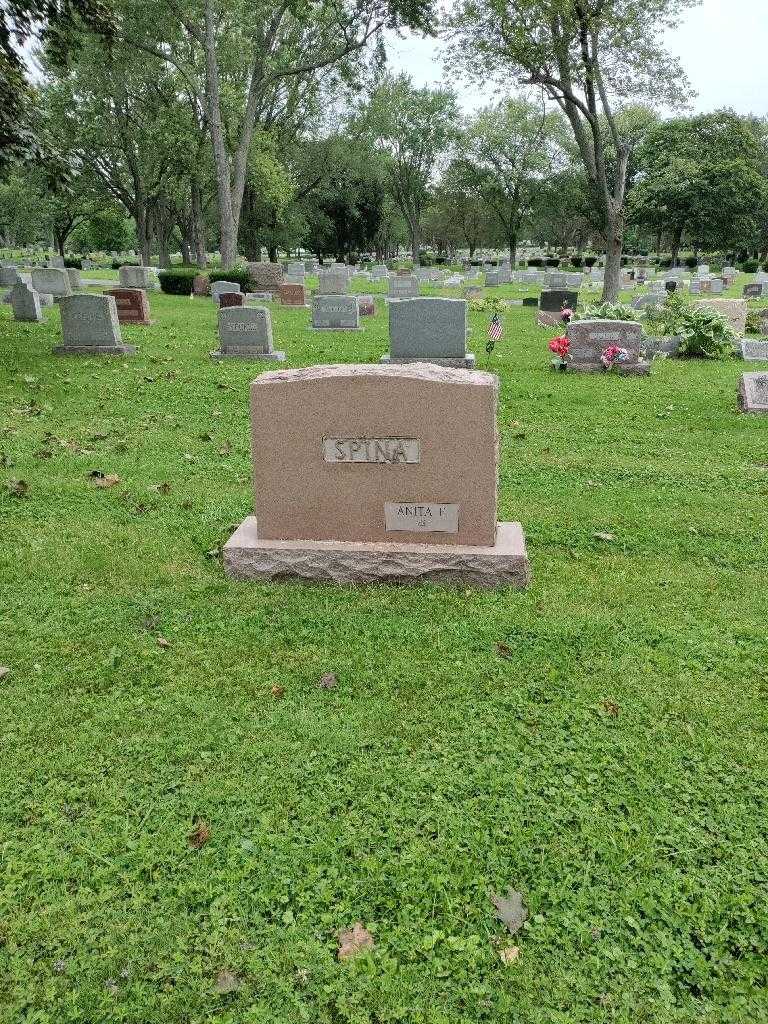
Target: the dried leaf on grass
pixel 354 940
pixel 226 982
pixel 100 479
pixel 4 671
pixel 509 954
pixel 328 681
pixel 18 488
pixel 199 835
pixel 510 910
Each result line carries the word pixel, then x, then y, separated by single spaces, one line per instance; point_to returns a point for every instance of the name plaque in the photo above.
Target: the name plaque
pixel 429 517
pixel 384 450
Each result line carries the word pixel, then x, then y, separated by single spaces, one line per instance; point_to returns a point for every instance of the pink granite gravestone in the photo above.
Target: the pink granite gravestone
pixel 366 473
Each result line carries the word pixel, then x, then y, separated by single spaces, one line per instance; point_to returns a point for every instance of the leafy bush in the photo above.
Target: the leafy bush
pixel 177 280
pixel 706 333
pixel 754 321
pixel 609 311
pixel 691 262
pixel 577 261
pixel 749 266
pixel 590 261
pixel 535 261
pixel 70 261
pixel 553 262
pixel 665 263
pixel 240 275
pixel 116 264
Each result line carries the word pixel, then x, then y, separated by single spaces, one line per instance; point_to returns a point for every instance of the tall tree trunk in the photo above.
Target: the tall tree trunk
pixel 677 238
pixel 198 225
pixel 512 242
pixel 415 241
pixel 186 251
pixel 227 229
pixel 615 244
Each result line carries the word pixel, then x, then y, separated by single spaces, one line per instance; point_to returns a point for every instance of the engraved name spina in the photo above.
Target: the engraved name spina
pixel 384 450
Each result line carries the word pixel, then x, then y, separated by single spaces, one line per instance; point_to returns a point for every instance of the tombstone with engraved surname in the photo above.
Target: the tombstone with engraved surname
pixel 753 291
pixel 245 332
pixel 137 277
pixel 404 286
pixel 589 339
pixel 132 305
pixel 219 288
pixel 335 313
pixel 754 350
pixel 292 294
pixel 89 326
pixel 228 299
pixel 753 393
pixel 376 474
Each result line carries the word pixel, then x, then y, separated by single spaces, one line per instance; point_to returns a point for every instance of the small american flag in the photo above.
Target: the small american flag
pixel 495 332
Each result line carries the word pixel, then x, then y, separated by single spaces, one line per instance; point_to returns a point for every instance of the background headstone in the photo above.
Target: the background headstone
pixel 429 330
pixel 589 338
pixel 266 277
pixel 53 281
pixel 245 332
pixel 89 326
pixel 25 303
pixel 335 312
pixel 132 305
pixel 404 286
pixel 293 295
pixel 753 392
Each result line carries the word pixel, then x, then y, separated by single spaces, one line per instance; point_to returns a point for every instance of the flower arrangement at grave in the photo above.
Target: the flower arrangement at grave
pixel 560 346
pixel 613 355
pixel 566 314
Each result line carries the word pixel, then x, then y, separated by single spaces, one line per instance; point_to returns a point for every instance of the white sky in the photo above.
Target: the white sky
pixel 723 45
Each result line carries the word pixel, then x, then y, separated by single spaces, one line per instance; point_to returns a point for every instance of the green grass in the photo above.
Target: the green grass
pixel 438 770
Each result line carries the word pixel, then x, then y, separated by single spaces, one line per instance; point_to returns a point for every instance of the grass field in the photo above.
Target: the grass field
pixel 608 760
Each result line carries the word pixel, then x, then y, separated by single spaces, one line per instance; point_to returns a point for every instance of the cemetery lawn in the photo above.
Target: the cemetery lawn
pixel 597 743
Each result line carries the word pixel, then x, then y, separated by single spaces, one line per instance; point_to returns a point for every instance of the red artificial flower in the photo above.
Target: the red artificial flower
pixel 560 346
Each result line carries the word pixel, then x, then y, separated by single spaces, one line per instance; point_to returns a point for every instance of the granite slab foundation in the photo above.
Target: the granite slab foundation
pixel 95 350
pixel 638 369
pixel 466 363
pixel 248 353
pixel 505 564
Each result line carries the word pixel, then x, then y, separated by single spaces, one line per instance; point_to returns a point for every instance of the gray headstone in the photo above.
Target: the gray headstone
pixel 492 279
pixel 667 343
pixel 652 299
pixel 26 303
pixel 137 277
pixel 335 312
pixel 404 286
pixel 219 288
pixel 753 392
pixel 51 281
pixel 332 282
pixel 753 350
pixel 9 276
pixel 428 330
pixel 74 277
pixel 89 325
pixel 245 332
pixel 753 291
pixel 590 338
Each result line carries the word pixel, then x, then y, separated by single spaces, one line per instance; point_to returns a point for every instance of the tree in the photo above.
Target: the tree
pixel 263 59
pixel 413 128
pixel 510 150
pixel 55 25
pixel 701 176
pixel 588 56
pixel 460 212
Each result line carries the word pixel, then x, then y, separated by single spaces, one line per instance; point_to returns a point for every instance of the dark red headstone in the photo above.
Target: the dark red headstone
pixel 132 305
pixel 231 299
pixel 201 285
pixel 292 295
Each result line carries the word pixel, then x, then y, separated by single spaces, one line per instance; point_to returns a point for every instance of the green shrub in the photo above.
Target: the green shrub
pixel 240 275
pixel 116 264
pixel 177 280
pixel 553 262
pixel 754 321
pixel 609 311
pixel 590 261
pixel 749 266
pixel 706 333
pixel 577 261
pixel 691 262
pixel 70 261
pixel 535 261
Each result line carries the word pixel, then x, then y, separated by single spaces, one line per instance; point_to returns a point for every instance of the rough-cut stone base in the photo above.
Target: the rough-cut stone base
pixel 246 353
pixel 506 564
pixel 467 363
pixel 313 328
pixel 640 369
pixel 94 350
